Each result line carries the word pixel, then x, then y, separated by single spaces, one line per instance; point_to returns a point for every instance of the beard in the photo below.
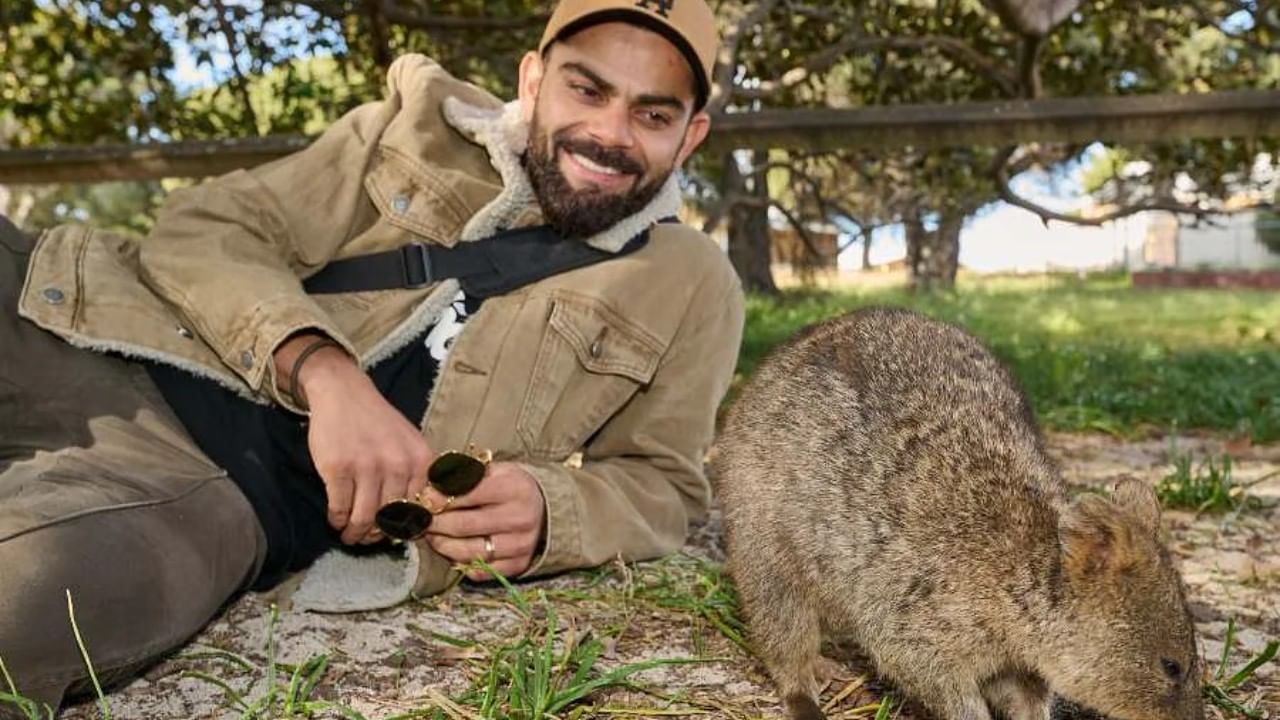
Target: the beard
pixel 590 211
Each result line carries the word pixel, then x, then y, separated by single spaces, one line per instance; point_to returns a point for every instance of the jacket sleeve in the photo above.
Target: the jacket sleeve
pixel 641 480
pixel 228 254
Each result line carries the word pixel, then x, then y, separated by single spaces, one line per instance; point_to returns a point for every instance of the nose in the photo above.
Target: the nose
pixel 611 126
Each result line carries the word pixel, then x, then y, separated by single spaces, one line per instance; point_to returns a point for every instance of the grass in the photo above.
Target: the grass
pixel 555 666
pixel 30 709
pixel 1093 354
pixel 287 691
pixel 547 668
pixel 1218 691
pixel 1205 487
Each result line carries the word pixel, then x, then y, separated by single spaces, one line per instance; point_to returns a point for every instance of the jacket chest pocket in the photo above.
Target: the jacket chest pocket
pixel 589 363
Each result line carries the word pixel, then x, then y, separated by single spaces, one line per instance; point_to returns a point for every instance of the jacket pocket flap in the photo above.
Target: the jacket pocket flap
pixel 603 341
pixel 409 196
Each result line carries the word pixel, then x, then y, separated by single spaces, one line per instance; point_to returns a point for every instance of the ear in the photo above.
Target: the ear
pixel 699 126
pixel 1139 499
pixel 531 71
pixel 1095 537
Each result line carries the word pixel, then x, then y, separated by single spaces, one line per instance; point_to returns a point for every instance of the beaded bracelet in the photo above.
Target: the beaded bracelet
pixel 307 352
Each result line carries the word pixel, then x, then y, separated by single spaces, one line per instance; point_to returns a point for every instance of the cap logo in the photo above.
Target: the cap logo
pixel 662 7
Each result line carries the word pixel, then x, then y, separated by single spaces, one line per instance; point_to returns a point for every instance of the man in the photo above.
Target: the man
pixel 226 426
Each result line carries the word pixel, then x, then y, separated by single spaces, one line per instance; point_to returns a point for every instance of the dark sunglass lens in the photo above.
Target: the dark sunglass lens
pixel 402 520
pixel 455 473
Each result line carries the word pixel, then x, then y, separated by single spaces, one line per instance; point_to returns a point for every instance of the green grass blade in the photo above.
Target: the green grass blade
pixel 84 654
pixel 517 597
pixel 1247 671
pixel 319 666
pixel 272 688
pixel 233 695
pixel 586 661
pixel 886 705
pixel 1216 696
pixel 29 708
pixel 217 654
pixel 613 678
pixel 1226 650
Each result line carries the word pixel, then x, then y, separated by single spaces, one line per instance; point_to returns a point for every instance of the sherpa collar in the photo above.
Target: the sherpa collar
pixel 504 134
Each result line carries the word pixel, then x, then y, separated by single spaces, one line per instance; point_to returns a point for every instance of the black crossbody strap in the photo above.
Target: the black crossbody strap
pixel 491 266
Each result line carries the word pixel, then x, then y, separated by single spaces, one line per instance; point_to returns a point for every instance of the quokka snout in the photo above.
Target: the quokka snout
pixel 883 480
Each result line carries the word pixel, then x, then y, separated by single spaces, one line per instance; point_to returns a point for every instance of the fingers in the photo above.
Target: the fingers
pixel 367 500
pixel 512 552
pixel 341 490
pixel 357 491
pixel 420 457
pixel 504 482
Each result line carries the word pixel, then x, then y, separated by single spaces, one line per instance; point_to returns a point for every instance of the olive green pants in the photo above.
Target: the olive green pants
pixel 105 496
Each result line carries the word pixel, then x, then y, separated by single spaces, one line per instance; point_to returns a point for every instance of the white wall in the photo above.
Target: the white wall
pixel 1229 242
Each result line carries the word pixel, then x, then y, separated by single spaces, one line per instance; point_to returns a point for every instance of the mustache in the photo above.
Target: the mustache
pixel 614 158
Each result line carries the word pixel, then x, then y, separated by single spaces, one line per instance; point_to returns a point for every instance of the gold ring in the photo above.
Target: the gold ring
pixel 448 500
pixel 488 548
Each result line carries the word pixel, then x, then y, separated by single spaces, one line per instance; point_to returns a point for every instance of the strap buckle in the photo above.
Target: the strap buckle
pixel 415 264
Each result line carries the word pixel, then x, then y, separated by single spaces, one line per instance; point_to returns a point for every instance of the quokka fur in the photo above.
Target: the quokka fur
pixel 884 481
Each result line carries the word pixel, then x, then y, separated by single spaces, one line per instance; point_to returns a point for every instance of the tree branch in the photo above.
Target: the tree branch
pixel 421 20
pixel 233 50
pixel 954 48
pixel 378 33
pixel 1029 67
pixel 805 236
pixel 722 85
pixel 1001 177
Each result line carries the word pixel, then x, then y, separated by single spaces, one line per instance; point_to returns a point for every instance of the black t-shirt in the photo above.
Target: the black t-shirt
pixel 264 447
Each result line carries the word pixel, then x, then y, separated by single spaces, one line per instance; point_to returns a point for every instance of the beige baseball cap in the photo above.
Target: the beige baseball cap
pixel 688 24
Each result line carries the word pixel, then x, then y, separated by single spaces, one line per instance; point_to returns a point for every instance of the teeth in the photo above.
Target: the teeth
pixel 594 166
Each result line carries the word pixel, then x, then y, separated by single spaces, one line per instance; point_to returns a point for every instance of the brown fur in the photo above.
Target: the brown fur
pixel 883 479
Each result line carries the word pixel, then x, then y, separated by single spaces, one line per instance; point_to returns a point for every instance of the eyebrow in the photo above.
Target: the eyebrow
pixel 609 88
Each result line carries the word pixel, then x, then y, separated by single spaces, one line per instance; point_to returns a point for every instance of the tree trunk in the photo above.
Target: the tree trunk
pixel 748 229
pixel 866 251
pixel 933 256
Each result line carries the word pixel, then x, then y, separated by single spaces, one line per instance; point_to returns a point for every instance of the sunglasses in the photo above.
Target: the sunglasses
pixel 453 474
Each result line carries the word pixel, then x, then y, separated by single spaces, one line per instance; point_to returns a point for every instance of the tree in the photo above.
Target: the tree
pixel 855 54
pixel 80 71
pixel 86 71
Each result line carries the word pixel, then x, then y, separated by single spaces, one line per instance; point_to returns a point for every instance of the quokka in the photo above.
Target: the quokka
pixel 883 480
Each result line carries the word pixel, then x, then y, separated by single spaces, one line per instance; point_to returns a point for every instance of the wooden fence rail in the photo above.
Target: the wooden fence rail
pixel 1139 118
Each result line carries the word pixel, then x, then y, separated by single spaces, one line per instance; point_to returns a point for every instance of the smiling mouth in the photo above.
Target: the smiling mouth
pixel 594 166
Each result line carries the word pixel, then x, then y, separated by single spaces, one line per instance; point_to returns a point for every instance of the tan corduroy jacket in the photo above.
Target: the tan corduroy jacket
pixel 620 364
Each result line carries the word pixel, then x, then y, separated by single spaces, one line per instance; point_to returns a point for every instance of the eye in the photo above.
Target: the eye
pixel 586 91
pixel 655 119
pixel 1172 669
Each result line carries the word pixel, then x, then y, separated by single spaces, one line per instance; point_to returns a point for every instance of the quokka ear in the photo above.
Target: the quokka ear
pixel 1138 498
pixel 1096 538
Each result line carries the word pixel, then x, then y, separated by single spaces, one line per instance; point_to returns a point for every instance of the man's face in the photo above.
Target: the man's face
pixel 610 114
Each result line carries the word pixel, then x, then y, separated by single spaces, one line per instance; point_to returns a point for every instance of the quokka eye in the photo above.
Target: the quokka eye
pixel 1172 669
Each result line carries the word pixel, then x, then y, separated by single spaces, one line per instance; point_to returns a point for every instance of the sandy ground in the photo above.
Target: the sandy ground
pixel 388 663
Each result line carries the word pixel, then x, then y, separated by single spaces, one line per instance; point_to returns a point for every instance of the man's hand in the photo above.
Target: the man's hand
pixel 506 507
pixel 364 449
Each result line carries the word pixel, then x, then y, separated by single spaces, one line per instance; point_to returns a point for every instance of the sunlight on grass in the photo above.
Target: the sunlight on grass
pixel 1092 354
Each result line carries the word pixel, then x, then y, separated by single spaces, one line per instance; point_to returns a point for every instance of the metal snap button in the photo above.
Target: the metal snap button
pixel 400 203
pixel 185 332
pixel 246 359
pixel 53 296
pixel 595 349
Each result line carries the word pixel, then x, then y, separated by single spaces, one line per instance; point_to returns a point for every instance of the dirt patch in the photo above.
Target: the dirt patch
pixel 416 656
